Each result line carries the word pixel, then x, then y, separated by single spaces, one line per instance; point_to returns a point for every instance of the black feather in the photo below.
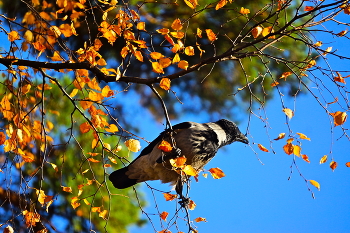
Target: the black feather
pixel 120 180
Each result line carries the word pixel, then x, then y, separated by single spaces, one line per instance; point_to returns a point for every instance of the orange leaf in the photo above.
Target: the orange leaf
pixel 85 127
pixel 275 83
pixel 318 44
pixel 316 184
pixel 183 65
pixel 141 26
pixel 339 117
pixel 93 160
pixel 342 33
pixel 13 35
pixel 305 158
pixel 178 162
pixel 163 31
pixel 221 4
pixel 165 146
pixel 266 31
pixel 138 55
pixel 288 112
pixel 211 35
pixel 303 136
pixel 96 209
pixel 333 165
pixel 280 136
pixel 191 205
pixel 164 215
pixel 156 55
pixel 31 218
pixel 103 214
pixel 189 170
pixel 165 83
pixel 177 35
pixel 189 51
pixel 67 189
pixel 165 62
pixel 169 197
pixel 347 164
pixel 339 78
pixel 288 148
pixel 262 148
pixel 309 8
pixel 217 173
pixel 176 25
pixel 200 219
pixel 323 159
pixel 2 138
pixel 285 75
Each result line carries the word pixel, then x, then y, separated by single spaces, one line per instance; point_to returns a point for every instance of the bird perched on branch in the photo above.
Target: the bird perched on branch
pixel 198 143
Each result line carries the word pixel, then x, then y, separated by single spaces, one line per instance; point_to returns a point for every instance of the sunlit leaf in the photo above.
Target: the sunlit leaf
pixel 339 118
pixel 297 150
pixel 178 162
pixel 200 219
pixel 211 35
pixel 280 136
pixel 347 164
pixel 262 148
pixel 165 84
pixel 176 25
pixel 303 136
pixel 13 35
pixel 315 183
pixel 2 138
pixel 333 165
pixel 189 170
pixel 67 189
pixel 256 32
pixel 305 158
pixel 191 205
pixel 217 173
pixel 183 64
pixel 244 11
pixel 141 26
pixel 133 145
pixel 157 68
pixel 220 4
pixel 323 159
pixel 288 148
pixel 191 3
pixel 289 113
pixel 103 214
pixel 164 215
pixel 169 196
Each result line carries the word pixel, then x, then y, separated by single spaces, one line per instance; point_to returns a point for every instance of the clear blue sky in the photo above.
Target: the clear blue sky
pixel 260 198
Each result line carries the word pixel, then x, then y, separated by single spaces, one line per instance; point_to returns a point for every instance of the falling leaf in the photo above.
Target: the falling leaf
pixel 189 170
pixel 262 148
pixel 133 145
pixel 165 83
pixel 316 184
pixel 244 11
pixel 323 159
pixel 289 113
pixel 303 136
pixel 257 31
pixel 200 219
pixel 169 197
pixel 165 146
pixel 164 215
pixel 217 173
pixel 220 4
pixel 211 35
pixel 339 117
pixel 280 136
pixel 333 165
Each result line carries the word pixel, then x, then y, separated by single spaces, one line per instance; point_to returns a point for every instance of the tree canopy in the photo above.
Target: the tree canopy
pixel 72 69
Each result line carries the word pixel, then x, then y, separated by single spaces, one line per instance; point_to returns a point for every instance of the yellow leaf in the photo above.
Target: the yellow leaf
pixel 165 62
pixel 177 35
pixel 13 35
pixel 67 189
pixel 217 173
pixel 189 51
pixel 157 68
pixel 74 92
pixel 285 75
pixel 318 44
pixel 138 55
pixel 315 183
pixel 323 159
pixel 297 150
pixel 221 4
pixel 183 65
pixel 191 3
pixel 56 56
pixel 141 26
pixel 133 145
pixel 86 201
pixel 303 136
pixel 163 31
pixel 156 55
pixel 176 58
pixel 244 11
pixel 112 128
pixel 189 170
pixel 103 214
pixel 165 83
pixel 288 112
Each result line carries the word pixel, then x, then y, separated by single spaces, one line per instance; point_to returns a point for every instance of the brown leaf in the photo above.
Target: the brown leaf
pixel 200 219
pixel 333 165
pixel 280 136
pixel 339 117
pixel 262 148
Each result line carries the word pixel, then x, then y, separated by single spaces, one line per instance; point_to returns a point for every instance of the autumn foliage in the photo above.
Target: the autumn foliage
pixel 66 66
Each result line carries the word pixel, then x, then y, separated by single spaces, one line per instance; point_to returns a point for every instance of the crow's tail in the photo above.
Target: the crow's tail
pixel 120 180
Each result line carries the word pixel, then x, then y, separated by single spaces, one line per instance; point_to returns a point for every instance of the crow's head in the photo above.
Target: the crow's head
pixel 233 134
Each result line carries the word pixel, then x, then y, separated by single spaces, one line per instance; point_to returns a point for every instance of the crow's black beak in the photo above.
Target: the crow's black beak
pixel 243 139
